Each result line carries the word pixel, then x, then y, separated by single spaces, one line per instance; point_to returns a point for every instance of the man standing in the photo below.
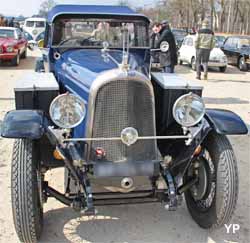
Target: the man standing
pixel 204 43
pixel 168 59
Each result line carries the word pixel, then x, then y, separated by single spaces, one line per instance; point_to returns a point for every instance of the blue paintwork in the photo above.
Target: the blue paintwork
pixel 77 69
pixel 93 10
pixel 226 122
pixel 23 124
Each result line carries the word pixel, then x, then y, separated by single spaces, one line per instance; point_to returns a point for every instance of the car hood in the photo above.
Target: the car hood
pixel 85 65
pixel 216 52
pixel 7 41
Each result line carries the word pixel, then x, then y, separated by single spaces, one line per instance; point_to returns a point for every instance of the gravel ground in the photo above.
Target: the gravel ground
pixel 144 223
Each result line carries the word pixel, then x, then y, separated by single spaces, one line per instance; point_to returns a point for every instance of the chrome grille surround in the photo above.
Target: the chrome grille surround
pixel 133 96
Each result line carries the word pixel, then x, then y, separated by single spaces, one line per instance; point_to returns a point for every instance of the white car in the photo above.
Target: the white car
pixel 187 54
pixel 35 27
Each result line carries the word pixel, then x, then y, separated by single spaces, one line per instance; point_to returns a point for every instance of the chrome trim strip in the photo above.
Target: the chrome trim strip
pixel 107 77
pixel 139 138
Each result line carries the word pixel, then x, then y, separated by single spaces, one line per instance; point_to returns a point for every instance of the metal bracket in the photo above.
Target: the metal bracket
pixel 172 192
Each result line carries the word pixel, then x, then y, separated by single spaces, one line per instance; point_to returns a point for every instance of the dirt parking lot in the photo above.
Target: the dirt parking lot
pixel 143 223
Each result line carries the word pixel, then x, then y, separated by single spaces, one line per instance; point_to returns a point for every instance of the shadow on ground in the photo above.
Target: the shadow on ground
pixel 27 63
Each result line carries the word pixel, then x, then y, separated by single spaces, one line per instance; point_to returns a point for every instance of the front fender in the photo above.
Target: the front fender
pixel 23 124
pixel 225 122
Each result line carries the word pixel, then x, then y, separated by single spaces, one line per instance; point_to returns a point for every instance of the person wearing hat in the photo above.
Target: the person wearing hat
pixel 204 43
pixel 168 59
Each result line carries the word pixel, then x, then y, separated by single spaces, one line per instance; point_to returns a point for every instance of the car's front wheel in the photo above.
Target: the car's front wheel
pixel 242 64
pixel 223 69
pixel 24 55
pixel 26 191
pixel 212 200
pixel 193 63
pixel 16 60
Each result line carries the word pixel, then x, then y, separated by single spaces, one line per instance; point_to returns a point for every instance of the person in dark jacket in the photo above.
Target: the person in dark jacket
pixel 11 23
pixel 168 59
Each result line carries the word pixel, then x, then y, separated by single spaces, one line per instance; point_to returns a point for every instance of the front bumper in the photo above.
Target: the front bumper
pixel 217 64
pixel 7 56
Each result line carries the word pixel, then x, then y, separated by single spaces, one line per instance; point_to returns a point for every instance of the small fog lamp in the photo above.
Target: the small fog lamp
pixel 129 135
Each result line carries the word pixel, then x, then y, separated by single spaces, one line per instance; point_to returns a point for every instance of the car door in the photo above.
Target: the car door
pixel 226 48
pixel 182 50
pixel 191 49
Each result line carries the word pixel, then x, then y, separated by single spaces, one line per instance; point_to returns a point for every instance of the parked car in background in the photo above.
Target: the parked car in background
pixel 179 35
pixel 187 54
pixel 220 39
pixel 122 133
pixel 237 50
pixel 13 45
pixel 34 27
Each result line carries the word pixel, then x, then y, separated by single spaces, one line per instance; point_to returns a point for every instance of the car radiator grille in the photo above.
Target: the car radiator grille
pixel 120 104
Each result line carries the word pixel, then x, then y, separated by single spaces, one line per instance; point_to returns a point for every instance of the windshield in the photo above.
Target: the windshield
pixel 179 34
pixel 220 38
pixel 7 33
pixel 93 32
pixel 37 24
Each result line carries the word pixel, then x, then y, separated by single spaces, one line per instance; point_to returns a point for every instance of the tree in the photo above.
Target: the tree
pixel 45 7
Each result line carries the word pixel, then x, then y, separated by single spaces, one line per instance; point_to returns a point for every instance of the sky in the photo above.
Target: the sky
pixel 30 7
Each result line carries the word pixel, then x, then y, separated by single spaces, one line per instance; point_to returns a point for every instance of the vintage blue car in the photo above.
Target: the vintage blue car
pixel 123 133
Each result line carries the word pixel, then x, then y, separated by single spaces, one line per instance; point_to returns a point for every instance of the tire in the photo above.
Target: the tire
pixel 26 198
pixel 193 64
pixel 24 55
pixel 242 64
pixel 16 60
pixel 218 201
pixel 223 69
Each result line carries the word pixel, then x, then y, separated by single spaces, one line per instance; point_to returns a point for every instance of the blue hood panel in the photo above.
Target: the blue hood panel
pixel 83 66
pixel 77 69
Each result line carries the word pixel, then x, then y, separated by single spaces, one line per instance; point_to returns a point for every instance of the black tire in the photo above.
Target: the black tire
pixel 24 55
pixel 16 60
pixel 223 69
pixel 193 64
pixel 26 197
pixel 242 64
pixel 217 203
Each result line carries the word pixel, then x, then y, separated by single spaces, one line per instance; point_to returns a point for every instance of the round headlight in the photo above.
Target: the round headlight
pixel 67 111
pixel 10 49
pixel 188 110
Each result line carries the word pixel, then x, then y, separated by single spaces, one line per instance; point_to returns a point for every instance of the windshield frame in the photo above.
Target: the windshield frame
pixel 14 33
pixel 101 19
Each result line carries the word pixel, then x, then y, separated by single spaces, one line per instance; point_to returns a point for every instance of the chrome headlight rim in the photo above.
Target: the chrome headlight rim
pixel 10 49
pixel 60 124
pixel 201 115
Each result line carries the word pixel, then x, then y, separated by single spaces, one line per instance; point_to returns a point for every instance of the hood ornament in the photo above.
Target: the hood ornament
pixel 124 65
